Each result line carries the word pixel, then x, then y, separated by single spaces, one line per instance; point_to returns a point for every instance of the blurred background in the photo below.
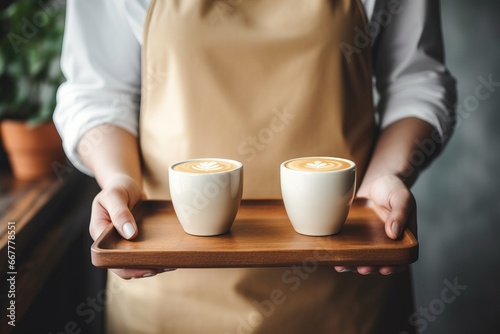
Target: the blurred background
pixel 458 196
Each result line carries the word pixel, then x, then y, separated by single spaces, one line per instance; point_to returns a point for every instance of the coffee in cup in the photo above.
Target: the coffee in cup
pixel 318 193
pixel 317 164
pixel 205 166
pixel 206 194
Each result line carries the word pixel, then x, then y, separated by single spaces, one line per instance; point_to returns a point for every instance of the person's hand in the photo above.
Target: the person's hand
pixel 396 206
pixel 113 206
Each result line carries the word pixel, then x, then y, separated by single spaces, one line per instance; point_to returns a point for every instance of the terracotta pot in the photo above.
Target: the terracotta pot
pixel 32 151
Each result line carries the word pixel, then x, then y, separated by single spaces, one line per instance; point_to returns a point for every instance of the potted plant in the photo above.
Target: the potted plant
pixel 29 76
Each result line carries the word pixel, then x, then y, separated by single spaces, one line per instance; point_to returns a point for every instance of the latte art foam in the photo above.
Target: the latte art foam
pixel 205 166
pixel 318 164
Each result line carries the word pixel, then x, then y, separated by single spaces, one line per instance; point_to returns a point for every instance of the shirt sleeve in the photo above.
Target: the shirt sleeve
pixel 101 62
pixel 408 57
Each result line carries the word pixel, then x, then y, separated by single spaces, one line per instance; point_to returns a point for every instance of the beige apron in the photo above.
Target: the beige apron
pixel 255 81
pixel 259 81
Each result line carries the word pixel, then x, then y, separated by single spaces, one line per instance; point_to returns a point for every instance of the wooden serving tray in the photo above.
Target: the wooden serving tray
pixel 261 236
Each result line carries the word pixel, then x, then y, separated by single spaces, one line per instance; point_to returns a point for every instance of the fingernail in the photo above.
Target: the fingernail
pixel 395 229
pixel 148 275
pixel 345 270
pixel 128 230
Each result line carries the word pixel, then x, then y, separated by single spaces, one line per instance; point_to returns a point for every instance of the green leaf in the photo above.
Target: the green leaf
pixel 35 62
pixel 2 63
pixel 31 74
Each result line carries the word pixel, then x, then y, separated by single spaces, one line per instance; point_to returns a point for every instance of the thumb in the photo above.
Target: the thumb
pixel 402 209
pixel 112 207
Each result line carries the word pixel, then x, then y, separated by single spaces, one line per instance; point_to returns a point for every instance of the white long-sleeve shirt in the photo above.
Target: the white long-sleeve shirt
pixel 101 61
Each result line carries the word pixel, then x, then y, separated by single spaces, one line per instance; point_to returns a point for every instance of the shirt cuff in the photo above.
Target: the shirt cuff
pixel 429 98
pixel 72 126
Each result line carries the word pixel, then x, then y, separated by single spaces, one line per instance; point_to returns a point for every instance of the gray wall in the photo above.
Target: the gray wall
pixel 459 195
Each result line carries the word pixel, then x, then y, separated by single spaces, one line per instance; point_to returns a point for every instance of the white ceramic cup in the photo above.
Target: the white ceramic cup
pixel 206 194
pixel 318 193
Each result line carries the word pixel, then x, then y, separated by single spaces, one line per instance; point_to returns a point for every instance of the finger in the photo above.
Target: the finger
pixel 402 203
pixel 344 269
pixel 389 270
pixel 365 270
pixel 386 270
pixel 99 219
pixel 116 203
pixel 139 273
